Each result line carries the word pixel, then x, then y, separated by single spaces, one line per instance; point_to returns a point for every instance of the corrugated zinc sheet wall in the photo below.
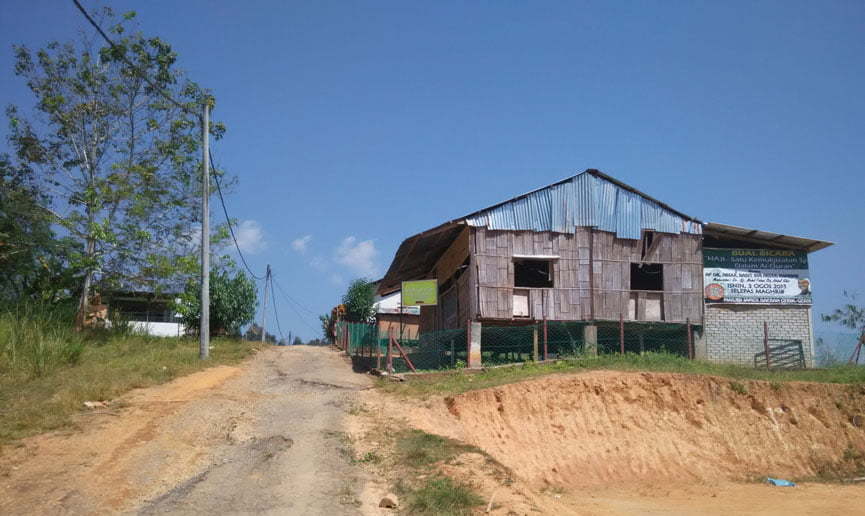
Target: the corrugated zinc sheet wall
pixel 584 201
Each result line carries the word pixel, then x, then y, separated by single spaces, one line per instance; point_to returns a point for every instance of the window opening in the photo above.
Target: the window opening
pixel 647 276
pixel 533 273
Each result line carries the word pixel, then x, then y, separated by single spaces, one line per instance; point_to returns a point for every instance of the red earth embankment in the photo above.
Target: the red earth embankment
pixel 612 428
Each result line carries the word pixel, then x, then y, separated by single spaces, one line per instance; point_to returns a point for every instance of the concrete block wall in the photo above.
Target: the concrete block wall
pixel 734 333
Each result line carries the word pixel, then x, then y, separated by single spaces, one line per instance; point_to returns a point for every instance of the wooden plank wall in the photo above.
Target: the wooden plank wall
pixel 440 317
pixel 493 251
pixel 681 258
pixel 453 257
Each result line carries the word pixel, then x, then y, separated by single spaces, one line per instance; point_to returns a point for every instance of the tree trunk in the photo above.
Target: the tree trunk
pixel 83 299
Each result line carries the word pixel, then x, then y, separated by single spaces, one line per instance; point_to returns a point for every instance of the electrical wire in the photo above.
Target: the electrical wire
pixel 291 299
pixel 228 221
pixel 299 315
pixel 184 108
pixel 122 56
pixel 169 98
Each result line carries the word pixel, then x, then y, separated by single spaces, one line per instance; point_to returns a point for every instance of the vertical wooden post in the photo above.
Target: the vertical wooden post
pixel 642 344
pixel 545 341
pixel 390 350
pixel 766 344
pixel 621 333
pixel 468 342
pixel 690 339
pixel 535 342
pixel 377 350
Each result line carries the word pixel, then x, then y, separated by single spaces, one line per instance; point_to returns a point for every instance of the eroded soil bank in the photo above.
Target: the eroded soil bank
pixel 603 427
pixel 606 442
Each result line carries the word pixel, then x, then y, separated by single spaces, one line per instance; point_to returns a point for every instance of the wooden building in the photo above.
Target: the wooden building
pixel 588 248
pixel 499 264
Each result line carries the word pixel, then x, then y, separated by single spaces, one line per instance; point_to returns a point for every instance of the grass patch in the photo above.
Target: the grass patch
pixel 416 448
pixel 462 381
pixel 412 464
pixel 738 388
pixel 370 458
pixel 42 399
pixel 442 496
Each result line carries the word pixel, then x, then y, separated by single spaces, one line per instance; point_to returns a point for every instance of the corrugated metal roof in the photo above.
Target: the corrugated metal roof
pixel 767 238
pixel 588 199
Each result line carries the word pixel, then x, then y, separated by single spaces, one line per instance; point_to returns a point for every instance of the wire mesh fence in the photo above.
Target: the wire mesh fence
pixel 835 348
pixel 443 349
pixel 565 339
pixel 370 347
pixel 642 337
pixel 509 344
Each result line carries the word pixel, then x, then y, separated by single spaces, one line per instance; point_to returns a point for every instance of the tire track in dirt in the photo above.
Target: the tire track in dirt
pixel 252 438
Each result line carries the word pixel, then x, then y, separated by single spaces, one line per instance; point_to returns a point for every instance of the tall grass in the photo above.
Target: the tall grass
pixel 35 339
pixel 47 370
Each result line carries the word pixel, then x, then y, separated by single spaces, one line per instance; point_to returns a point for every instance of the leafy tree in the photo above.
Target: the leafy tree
pixel 33 259
pixel 297 341
pixel 325 325
pixel 851 315
pixel 359 300
pixel 120 162
pixel 233 301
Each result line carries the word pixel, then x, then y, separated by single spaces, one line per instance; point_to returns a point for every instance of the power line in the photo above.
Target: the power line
pixel 228 221
pixel 299 315
pixel 204 120
pixel 122 56
pixel 284 293
pixel 184 108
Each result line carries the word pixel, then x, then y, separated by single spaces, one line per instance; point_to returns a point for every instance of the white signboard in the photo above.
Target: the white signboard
pixel 756 276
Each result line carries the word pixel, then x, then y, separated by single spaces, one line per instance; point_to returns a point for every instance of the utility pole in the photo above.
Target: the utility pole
pixel 264 309
pixel 204 330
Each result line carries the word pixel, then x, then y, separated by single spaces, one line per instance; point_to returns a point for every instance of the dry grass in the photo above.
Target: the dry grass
pixel 104 369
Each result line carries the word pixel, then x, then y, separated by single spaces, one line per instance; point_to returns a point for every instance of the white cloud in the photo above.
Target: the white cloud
pixel 250 237
pixel 336 279
pixel 301 244
pixel 359 257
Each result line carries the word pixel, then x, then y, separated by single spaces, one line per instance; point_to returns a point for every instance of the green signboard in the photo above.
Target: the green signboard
pixel 421 292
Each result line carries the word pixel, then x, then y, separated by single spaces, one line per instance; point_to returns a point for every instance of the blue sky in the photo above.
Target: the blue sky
pixel 354 125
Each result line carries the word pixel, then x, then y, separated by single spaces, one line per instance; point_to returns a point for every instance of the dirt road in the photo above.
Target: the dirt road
pixel 265 437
